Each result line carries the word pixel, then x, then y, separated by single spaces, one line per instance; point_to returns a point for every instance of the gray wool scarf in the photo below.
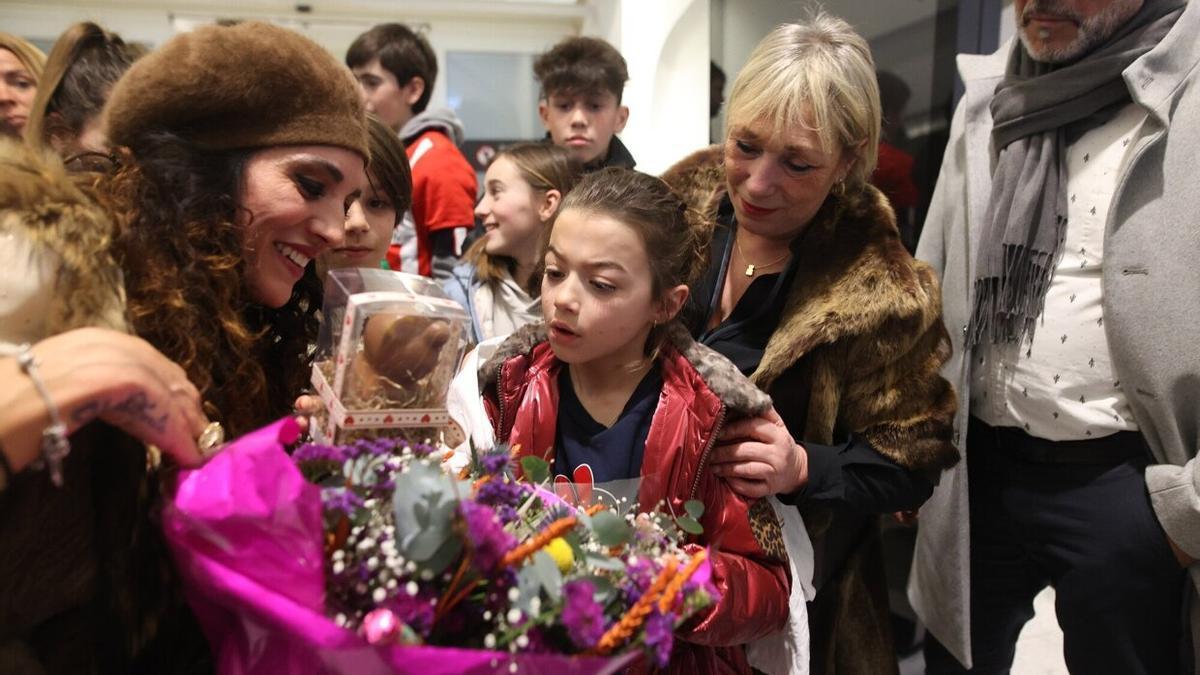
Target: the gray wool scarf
pixel 1034 109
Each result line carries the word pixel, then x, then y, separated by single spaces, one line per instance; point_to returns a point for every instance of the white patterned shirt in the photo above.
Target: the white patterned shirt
pixel 1061 386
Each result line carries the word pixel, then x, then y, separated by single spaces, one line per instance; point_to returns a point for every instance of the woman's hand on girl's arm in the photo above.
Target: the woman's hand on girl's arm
pixel 759 457
pixel 96 374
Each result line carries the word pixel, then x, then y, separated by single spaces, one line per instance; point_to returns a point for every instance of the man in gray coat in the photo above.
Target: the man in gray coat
pixel 1064 225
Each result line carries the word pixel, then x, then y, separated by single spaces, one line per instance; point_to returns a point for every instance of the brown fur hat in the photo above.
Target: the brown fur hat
pixel 251 85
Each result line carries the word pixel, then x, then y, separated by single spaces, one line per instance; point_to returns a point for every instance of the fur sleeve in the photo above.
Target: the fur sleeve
pixel 895 396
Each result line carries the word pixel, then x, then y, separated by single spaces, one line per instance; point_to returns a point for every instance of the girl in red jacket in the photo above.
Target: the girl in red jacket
pixel 608 388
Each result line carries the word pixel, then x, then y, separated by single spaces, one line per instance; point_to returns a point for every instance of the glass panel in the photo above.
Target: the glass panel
pixel 495 95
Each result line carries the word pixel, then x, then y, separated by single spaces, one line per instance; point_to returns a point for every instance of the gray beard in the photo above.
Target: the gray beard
pixel 1093 31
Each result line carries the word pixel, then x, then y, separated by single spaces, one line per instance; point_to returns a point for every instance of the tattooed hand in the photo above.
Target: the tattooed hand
pixel 101 374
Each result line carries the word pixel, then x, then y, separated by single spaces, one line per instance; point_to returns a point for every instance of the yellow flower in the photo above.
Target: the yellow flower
pixel 560 550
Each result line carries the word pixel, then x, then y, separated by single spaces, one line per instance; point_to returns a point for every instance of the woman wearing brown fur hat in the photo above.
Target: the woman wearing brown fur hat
pixel 811 293
pixel 237 153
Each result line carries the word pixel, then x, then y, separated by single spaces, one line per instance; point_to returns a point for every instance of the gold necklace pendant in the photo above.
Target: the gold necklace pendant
pixel 751 268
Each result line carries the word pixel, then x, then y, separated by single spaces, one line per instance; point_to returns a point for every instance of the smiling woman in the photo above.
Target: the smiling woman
pixel 221 207
pixel 237 152
pixel 382 201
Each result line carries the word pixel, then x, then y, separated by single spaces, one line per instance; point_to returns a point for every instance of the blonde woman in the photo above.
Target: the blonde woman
pixel 811 293
pixel 20 70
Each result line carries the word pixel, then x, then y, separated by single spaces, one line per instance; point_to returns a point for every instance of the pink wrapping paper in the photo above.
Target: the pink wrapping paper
pixel 246 534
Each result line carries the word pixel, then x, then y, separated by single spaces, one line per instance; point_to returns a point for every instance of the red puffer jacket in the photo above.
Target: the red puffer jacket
pixel 701 392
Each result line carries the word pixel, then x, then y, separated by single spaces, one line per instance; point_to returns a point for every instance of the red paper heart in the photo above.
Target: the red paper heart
pixel 562 488
pixel 425 418
pixel 349 421
pixel 387 420
pixel 583 483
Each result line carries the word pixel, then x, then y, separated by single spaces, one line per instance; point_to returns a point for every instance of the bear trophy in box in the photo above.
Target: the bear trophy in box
pixel 389 345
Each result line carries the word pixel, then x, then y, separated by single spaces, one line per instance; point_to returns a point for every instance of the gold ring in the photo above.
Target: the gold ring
pixel 210 439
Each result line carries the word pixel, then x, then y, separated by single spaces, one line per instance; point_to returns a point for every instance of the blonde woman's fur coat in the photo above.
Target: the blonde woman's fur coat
pixel 861 340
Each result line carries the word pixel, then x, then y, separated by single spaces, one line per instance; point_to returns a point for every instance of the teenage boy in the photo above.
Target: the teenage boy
pixel 396 70
pixel 582 80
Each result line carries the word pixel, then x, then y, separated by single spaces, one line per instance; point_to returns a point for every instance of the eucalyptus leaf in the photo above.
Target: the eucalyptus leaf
pixel 603 562
pixel 548 575
pixel 689 525
pixel 445 556
pixel 424 500
pixel 576 548
pixel 604 588
pixel 694 508
pixel 535 469
pixel 426 543
pixel 611 530
pixel 528 588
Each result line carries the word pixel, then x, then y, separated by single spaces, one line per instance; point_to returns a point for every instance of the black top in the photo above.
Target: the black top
pixel 850 474
pixel 618 155
pixel 586 451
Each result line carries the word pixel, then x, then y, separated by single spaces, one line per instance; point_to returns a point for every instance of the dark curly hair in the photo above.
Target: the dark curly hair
pixel 175 208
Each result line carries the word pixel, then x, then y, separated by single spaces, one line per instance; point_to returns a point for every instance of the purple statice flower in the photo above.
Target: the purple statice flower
pixel 422 449
pixel 538 643
pixel 341 500
pixel 313 452
pixel 660 637
pixel 494 463
pixel 581 614
pixel 485 534
pixel 414 610
pixel 639 574
pixel 503 496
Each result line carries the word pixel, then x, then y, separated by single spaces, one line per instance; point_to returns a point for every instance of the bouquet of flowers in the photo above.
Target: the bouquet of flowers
pixel 375 557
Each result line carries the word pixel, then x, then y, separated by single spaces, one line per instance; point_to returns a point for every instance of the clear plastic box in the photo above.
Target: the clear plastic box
pixel 388 348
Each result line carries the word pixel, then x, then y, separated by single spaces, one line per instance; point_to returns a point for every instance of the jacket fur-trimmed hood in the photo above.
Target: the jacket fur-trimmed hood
pixel 865 312
pixel 60 248
pixel 721 376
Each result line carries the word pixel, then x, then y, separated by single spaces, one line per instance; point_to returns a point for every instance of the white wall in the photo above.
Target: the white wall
pixel 666 47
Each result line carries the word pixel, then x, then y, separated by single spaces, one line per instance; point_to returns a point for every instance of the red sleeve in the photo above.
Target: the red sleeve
pixel 749 569
pixel 443 186
pixel 893 176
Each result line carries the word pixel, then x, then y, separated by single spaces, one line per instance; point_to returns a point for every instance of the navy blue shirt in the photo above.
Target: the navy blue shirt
pixel 586 451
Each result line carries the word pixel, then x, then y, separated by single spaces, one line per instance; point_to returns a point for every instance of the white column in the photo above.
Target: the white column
pixel 666 46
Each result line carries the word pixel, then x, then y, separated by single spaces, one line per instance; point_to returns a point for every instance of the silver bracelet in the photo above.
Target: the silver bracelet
pixel 55 445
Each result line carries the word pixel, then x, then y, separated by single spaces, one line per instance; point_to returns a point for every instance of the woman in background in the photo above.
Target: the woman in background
pixel 20 70
pixel 80 72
